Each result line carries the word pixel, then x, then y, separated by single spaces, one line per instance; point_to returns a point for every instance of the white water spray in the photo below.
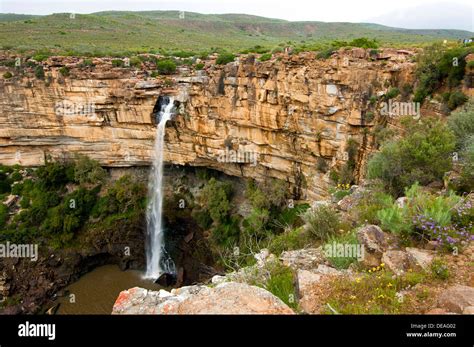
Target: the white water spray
pixel 158 260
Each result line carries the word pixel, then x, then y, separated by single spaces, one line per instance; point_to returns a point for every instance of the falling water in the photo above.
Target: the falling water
pixel 158 260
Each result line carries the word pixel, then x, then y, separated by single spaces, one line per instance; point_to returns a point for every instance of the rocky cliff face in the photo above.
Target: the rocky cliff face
pixel 288 118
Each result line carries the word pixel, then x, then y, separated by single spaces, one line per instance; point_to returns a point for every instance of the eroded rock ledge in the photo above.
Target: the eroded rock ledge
pixel 294 113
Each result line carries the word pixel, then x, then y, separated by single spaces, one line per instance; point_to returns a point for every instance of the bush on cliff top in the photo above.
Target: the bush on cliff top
pixel 166 67
pixel 225 58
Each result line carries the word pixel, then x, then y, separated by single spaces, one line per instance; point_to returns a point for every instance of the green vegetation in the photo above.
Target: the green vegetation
pixel 281 284
pixel 166 67
pixel 57 215
pixel 7 75
pixel 265 57
pixel 322 222
pixel 289 240
pixel 225 58
pixel 461 123
pixel 117 63
pixel 423 155
pixel 374 293
pixel 64 71
pixel 425 216
pixel 364 42
pixel 392 93
pixel 278 280
pixel 439 269
pixel 39 72
pixel 129 33
pixel 346 239
pixel 440 66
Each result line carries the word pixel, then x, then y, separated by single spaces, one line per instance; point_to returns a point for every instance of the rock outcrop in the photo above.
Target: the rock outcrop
pixel 225 298
pixel 457 299
pixel 288 118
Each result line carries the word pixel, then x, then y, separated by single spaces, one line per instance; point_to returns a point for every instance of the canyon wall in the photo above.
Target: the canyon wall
pixel 289 118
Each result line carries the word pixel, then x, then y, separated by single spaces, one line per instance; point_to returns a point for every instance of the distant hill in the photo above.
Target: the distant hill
pixel 117 31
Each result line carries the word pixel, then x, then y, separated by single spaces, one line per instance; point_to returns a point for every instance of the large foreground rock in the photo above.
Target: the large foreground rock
pixel 457 299
pixel 225 298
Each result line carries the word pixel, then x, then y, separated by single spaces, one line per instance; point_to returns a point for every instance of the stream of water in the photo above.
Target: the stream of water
pixel 158 260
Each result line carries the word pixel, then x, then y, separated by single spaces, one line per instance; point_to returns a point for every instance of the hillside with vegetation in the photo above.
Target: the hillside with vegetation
pixel 111 32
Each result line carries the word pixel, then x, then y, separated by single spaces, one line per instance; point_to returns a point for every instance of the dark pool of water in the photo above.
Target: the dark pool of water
pixel 96 292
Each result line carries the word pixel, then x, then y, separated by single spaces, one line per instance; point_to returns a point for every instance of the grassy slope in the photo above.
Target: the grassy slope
pixel 115 31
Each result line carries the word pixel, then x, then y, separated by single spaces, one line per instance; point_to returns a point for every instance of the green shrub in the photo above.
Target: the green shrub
pixel 87 63
pixel 87 170
pixel 214 197
pixel 456 99
pixel 423 155
pixel 265 57
pixel 321 221
pixel 291 216
pixel 461 123
pixel 439 269
pixel 395 220
pixel 64 71
pixel 135 61
pixel 256 223
pixel 270 194
pixel 326 53
pixel 282 284
pixel 226 234
pixel 3 215
pixel 123 196
pixel 341 262
pixel 392 93
pixel 435 68
pixel 199 66
pixel 166 67
pixel 225 58
pixel 364 42
pixel 467 171
pixel 289 240
pixel 117 63
pixel 40 57
pixel 39 72
pixel 7 75
pixel 55 175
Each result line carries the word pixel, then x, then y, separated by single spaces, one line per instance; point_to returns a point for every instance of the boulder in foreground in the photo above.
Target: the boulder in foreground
pixel 225 298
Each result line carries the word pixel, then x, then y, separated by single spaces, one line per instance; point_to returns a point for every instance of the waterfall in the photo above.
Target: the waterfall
pixel 158 260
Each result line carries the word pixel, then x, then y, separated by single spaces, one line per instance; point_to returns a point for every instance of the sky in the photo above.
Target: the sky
pixel 414 14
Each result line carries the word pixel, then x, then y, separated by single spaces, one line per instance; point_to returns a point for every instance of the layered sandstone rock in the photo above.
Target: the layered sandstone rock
pixel 286 117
